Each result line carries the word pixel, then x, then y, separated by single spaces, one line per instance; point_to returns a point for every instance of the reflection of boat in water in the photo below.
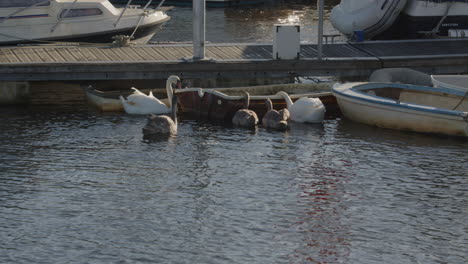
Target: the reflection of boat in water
pixel 401 19
pixel 95 21
pixel 220 104
pixel 209 3
pixel 405 107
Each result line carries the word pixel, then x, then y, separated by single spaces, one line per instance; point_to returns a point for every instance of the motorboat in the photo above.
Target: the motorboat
pixel 96 21
pixel 408 107
pixel 457 82
pixel 209 3
pixel 401 19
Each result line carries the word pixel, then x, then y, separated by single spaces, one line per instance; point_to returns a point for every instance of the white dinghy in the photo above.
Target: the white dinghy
pixel 405 107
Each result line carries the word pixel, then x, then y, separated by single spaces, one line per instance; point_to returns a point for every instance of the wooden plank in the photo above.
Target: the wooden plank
pixel 66 54
pixel 42 54
pixel 177 52
pixel 308 51
pixel 159 52
pixel 101 56
pixel 121 54
pixel 21 55
pixel 226 53
pixel 137 57
pixel 76 53
pixel 6 56
pixel 32 55
pixel 234 52
pixel 149 54
pixel 55 55
pixel 90 56
pixel 108 53
pixel 168 53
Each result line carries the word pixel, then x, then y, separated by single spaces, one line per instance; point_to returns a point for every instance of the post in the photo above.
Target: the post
pixel 199 14
pixel 320 29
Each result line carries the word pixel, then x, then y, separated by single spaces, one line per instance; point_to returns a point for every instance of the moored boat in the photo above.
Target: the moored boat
pixel 405 107
pixel 220 104
pixel 209 3
pixel 401 19
pixel 96 21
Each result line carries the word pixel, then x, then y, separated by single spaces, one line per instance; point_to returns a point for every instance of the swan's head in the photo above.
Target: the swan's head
pixel 173 80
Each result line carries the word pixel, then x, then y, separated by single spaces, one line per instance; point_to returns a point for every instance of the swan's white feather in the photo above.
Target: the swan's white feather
pixel 142 104
pixel 305 109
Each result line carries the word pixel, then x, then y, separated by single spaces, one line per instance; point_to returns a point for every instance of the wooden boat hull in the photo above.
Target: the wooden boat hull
pixel 405 107
pixel 108 101
pixel 216 105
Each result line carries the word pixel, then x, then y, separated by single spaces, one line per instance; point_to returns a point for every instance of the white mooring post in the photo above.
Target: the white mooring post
pixel 199 19
pixel 320 29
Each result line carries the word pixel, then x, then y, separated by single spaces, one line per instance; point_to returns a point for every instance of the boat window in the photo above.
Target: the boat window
pixel 22 3
pixel 80 12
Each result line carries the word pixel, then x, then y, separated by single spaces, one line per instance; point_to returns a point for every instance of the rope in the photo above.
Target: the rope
pixel 459 103
pixel 123 11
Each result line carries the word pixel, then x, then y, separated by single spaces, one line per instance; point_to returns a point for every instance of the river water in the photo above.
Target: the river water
pixel 80 186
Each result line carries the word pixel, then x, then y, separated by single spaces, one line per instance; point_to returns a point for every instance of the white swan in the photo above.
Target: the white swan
pixel 305 109
pixel 245 117
pixel 141 104
pixel 162 125
pixel 275 119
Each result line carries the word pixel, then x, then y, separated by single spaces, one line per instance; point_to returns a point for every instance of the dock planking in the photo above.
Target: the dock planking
pixel 74 62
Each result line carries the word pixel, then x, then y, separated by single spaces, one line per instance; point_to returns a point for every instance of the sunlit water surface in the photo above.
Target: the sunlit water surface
pixel 84 187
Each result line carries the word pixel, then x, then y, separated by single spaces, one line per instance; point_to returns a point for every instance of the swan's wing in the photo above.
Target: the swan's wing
pixel 143 104
pixel 136 91
pixel 309 110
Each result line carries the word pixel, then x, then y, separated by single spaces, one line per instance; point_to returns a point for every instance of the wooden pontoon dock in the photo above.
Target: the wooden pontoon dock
pixel 80 62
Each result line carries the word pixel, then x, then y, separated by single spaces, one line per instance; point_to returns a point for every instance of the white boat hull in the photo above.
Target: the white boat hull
pixel 43 23
pixel 372 17
pixel 401 19
pixel 400 114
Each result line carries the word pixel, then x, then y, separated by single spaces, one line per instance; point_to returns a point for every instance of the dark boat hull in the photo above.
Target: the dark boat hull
pixel 412 27
pixel 213 107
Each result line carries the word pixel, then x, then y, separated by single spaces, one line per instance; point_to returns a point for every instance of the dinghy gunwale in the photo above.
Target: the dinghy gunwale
pixel 356 92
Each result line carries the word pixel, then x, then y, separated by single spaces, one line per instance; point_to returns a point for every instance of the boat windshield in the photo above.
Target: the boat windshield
pixel 22 3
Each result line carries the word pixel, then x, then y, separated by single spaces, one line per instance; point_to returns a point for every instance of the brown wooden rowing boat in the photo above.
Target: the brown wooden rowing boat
pixel 220 104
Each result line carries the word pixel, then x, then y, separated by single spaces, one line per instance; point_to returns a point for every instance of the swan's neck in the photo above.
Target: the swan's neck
pixel 246 101
pixel 174 110
pixel 288 100
pixel 269 105
pixel 170 93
